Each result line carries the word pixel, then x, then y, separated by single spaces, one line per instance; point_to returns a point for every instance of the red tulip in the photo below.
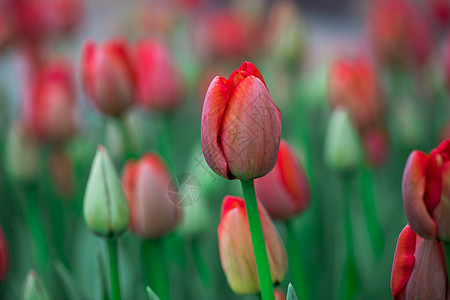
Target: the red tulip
pixel 418 271
pixel 285 191
pixel 375 143
pixel 446 61
pixel 108 75
pixel 354 85
pixel 425 190
pixel 50 105
pixel 236 250
pixel 4 256
pixel 158 77
pixel 241 126
pixel 399 32
pixel 146 184
pixel 440 11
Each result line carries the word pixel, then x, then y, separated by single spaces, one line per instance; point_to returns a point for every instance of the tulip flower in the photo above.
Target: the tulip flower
pixel 146 184
pixel 440 11
pixel 34 288
pixel 105 206
pixel 109 76
pixel 399 32
pixel 425 190
pixel 241 126
pixel 353 84
pixel 4 256
pixel 285 191
pixel 235 247
pixel 342 145
pixel 159 85
pixel 375 143
pixel 418 271
pixel 50 105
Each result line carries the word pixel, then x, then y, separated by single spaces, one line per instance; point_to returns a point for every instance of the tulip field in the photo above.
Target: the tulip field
pixel 202 149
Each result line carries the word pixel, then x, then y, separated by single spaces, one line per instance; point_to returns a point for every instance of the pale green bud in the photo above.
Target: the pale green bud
pixel 34 289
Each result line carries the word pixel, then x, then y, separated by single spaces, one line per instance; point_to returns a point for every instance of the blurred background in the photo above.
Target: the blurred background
pixel 387 64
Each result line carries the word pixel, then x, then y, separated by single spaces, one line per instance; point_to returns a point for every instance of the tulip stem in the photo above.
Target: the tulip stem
pixel 370 211
pixel 295 263
pixel 259 245
pixel 199 261
pixel 155 267
pixel 113 268
pixel 128 144
pixel 446 246
pixel 349 283
pixel 166 140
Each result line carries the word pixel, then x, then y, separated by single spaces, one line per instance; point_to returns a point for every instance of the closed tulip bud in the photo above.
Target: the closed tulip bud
pixel 60 167
pixel 426 190
pixel 146 184
pixel 50 106
pixel 34 288
pixel 375 143
pixel 236 250
pixel 105 206
pixel 109 76
pixel 354 86
pixel 22 160
pixel 399 32
pixel 418 271
pixel 279 295
pixel 4 256
pixel 241 126
pixel 158 77
pixel 285 191
pixel 342 145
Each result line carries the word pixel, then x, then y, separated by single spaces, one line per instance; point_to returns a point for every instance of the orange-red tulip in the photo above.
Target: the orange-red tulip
pixel 426 192
pixel 418 271
pixel 50 106
pixel 4 256
pixel 158 77
pixel 109 76
pixel 146 184
pixel 399 32
pixel 354 85
pixel 236 250
pixel 241 126
pixel 285 191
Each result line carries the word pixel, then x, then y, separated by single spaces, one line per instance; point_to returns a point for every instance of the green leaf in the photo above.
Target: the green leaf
pixel 151 294
pixel 71 287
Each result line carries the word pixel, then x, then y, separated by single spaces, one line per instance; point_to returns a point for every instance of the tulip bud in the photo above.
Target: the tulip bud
pixel 418 271
pixel 60 167
pixel 105 206
pixel 34 289
pixel 426 190
pixel 285 191
pixel 279 295
pixel 108 75
pixel 375 143
pixel 399 32
pixel 4 256
pixel 236 250
pixel 353 85
pixel 241 126
pixel 22 158
pixel 158 77
pixel 342 145
pixel 440 11
pixel 146 184
pixel 50 106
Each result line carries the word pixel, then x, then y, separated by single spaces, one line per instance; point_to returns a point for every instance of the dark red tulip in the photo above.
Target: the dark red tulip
pixel 375 144
pixel 109 76
pixel 440 11
pixel 4 256
pixel 418 271
pixel 158 77
pixel 285 191
pixel 241 126
pixel 425 190
pixel 446 61
pixel 50 108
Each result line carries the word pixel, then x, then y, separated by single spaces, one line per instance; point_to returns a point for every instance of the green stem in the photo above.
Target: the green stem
pixel 349 284
pixel 113 268
pixel 295 263
pixel 259 246
pixel 166 140
pixel 447 257
pixel 202 268
pixel 370 212
pixel 155 268
pixel 128 143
